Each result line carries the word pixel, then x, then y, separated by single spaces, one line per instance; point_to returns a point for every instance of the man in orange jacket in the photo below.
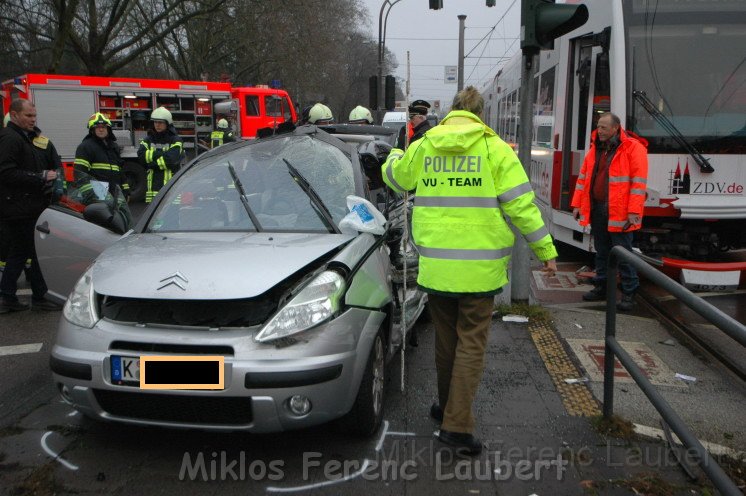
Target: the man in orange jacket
pixel 610 196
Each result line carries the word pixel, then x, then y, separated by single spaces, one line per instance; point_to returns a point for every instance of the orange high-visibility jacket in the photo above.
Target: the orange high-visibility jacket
pixel 628 177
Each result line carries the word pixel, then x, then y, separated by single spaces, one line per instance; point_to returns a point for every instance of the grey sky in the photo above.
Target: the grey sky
pixel 411 21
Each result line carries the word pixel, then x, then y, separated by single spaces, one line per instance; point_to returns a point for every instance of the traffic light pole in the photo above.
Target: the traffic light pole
pixel 521 260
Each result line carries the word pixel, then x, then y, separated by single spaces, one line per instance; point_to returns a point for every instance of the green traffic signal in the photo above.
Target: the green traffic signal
pixel 542 21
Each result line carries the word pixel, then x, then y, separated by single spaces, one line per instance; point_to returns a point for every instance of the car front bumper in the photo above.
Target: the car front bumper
pixel 325 365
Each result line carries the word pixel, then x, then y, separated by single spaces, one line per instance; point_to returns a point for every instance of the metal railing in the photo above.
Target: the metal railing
pixel 727 324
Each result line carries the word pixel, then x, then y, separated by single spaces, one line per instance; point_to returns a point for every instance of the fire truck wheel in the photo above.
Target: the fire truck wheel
pixel 136 180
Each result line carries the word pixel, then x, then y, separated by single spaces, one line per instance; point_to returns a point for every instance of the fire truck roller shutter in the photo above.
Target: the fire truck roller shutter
pixel 62 115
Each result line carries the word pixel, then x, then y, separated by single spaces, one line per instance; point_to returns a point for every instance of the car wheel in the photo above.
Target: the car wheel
pixel 367 412
pixel 135 175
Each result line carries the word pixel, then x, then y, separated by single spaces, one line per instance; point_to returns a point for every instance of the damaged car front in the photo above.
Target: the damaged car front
pixel 240 261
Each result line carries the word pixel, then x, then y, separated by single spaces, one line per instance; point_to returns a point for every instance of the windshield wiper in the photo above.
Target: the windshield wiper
pixel 244 200
pixel 319 206
pixel 670 128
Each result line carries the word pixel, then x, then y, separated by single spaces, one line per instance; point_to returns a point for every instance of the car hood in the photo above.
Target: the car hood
pixel 205 266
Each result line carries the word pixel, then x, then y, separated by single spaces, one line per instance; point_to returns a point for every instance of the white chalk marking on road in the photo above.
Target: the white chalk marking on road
pixel 272 489
pixel 73 413
pixel 383 435
pixel 394 433
pixel 712 448
pixel 54 455
pixel 20 349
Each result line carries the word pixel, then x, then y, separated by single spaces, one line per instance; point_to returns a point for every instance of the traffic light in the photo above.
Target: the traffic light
pixel 542 21
pixel 491 3
pixel 373 92
pixel 390 99
pixel 436 4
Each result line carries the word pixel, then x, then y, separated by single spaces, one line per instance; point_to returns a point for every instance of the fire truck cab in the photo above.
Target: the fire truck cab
pixel 65 104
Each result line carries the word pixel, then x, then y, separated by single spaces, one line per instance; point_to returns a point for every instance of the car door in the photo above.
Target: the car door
pixel 66 243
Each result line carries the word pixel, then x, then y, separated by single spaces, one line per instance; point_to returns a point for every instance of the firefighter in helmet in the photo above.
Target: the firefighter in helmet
pixel 221 135
pixel 360 115
pixel 320 115
pixel 98 154
pixel 161 152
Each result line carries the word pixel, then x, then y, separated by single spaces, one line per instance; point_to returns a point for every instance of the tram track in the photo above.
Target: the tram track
pixel 691 329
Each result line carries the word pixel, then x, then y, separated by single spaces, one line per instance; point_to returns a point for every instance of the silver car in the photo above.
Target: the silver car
pixel 236 302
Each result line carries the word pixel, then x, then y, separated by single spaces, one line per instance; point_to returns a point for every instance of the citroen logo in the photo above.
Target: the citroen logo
pixel 177 279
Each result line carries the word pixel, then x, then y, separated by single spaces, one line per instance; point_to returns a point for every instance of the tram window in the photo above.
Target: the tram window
pixel 601 88
pixel 583 73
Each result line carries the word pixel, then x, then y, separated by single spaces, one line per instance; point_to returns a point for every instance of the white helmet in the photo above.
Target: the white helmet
pixel 222 124
pixel 360 115
pixel 161 114
pixel 320 113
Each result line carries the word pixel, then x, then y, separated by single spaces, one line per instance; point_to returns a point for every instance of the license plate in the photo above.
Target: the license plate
pixel 169 372
pixel 125 370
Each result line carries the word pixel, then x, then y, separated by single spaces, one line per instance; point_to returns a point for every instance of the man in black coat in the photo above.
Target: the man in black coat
pixel 418 123
pixel 26 184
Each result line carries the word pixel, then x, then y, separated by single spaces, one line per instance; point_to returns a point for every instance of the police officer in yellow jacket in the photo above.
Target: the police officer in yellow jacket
pixel 467 180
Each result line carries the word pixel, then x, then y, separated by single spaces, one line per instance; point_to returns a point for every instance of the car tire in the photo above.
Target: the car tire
pixel 367 413
pixel 135 174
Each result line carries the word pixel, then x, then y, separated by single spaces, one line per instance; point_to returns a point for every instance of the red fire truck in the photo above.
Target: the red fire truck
pixel 65 103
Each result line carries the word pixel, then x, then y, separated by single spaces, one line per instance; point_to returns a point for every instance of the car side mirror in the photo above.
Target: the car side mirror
pixel 100 214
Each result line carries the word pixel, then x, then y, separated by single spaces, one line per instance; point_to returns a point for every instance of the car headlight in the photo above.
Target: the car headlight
pixel 80 307
pixel 314 304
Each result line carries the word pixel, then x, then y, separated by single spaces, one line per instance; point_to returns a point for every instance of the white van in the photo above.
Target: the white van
pixel 394 120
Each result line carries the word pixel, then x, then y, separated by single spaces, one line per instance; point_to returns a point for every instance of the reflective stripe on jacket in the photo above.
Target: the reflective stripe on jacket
pixel 101 160
pixel 161 154
pixel 217 138
pixel 628 178
pixel 466 180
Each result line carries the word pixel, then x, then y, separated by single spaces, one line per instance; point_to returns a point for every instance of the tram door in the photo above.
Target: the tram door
pixel 588 96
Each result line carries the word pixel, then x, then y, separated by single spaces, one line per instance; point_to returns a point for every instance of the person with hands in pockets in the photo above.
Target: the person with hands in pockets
pixel 610 196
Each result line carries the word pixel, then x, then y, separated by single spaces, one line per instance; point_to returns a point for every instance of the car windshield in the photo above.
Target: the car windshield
pixel 206 198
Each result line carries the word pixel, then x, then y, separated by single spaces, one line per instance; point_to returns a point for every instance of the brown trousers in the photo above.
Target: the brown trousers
pixel 461 329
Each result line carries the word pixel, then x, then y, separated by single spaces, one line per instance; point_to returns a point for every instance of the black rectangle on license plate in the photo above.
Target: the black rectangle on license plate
pixel 182 372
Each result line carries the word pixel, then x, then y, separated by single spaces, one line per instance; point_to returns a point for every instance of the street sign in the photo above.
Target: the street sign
pixel 451 74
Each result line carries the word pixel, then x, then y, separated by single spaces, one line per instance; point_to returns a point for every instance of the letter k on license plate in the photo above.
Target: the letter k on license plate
pixel 125 370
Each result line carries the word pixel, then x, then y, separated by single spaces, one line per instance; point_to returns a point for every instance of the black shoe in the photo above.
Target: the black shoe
pixel 596 294
pixel 627 303
pixel 46 305
pixel 12 306
pixel 436 412
pixel 465 443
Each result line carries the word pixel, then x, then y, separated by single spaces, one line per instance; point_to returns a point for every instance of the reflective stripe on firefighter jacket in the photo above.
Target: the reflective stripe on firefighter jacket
pixel 628 178
pixel 100 159
pixel 466 180
pixel 217 138
pixel 161 154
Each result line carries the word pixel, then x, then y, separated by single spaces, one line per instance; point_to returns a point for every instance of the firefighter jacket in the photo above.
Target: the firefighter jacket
pixel 161 154
pixel 218 137
pixel 467 180
pixel 100 159
pixel 628 177
pixel 24 156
